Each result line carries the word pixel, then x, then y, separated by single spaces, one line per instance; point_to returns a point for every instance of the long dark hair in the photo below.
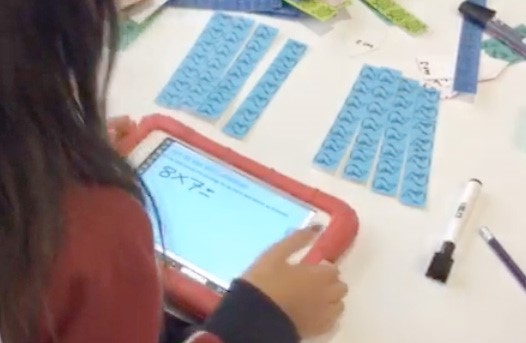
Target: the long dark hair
pixel 52 133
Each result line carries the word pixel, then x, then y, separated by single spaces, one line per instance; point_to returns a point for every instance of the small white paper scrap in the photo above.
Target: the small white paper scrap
pixel 433 67
pixel 364 42
pixel 365 34
pixel 436 66
pixel 444 86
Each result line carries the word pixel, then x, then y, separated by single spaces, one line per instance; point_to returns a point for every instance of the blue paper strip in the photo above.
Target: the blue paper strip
pixel 230 5
pixel 259 98
pixel 390 162
pixel 218 62
pixel 344 128
pixel 171 95
pixel 468 58
pixel 206 63
pixel 420 150
pixel 218 100
pixel 382 91
pixel 385 109
pixel 349 119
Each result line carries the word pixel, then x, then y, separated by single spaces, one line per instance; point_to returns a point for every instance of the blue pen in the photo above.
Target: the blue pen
pixel 503 256
pixel 493 26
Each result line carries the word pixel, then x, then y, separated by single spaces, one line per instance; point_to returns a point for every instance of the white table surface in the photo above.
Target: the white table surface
pixel 390 299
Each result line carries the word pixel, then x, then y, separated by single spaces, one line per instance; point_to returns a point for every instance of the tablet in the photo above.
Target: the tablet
pixel 214 211
pixel 212 220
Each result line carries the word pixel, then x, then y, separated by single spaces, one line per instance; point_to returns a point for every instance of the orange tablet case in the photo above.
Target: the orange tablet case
pixel 197 299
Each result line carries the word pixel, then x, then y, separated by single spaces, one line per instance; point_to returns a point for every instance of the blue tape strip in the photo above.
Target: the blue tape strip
pixel 381 92
pixel 468 58
pixel 259 98
pixel 420 150
pixel 218 100
pixel 206 63
pixel 347 122
pixel 230 5
pixel 391 159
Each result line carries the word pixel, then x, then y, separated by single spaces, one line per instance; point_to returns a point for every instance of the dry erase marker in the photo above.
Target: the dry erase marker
pixel 442 261
pixel 503 255
pixel 493 26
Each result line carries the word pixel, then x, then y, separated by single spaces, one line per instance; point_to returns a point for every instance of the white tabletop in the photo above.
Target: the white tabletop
pixel 390 300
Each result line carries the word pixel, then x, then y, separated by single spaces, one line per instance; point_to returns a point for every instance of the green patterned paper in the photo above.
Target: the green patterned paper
pixel 398 16
pixel 129 31
pixel 315 8
pixel 499 50
pixel 378 14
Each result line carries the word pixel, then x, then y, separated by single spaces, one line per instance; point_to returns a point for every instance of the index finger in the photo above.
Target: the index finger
pixel 282 250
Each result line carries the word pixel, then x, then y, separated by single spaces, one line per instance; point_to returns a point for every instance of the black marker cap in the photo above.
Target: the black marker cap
pixel 477 13
pixel 441 263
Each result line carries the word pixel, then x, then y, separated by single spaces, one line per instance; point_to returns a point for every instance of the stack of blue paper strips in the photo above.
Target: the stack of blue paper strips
pixel 385 130
pixel 218 66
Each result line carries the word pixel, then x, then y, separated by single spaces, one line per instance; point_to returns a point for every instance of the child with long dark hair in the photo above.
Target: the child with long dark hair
pixel 76 254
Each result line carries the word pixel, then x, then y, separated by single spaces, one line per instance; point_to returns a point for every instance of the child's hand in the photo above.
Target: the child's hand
pixel 311 295
pixel 119 127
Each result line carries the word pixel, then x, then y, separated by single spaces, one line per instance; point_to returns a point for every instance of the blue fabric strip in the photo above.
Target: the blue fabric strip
pixel 218 100
pixel 261 95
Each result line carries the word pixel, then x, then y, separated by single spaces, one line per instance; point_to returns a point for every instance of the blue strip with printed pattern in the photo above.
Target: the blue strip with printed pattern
pixel 217 101
pixel 251 109
pixel 380 95
pixel 206 62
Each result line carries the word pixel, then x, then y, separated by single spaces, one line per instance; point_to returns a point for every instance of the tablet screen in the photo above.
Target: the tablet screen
pixel 215 220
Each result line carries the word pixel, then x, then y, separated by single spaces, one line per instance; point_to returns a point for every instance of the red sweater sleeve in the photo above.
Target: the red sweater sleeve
pixel 104 286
